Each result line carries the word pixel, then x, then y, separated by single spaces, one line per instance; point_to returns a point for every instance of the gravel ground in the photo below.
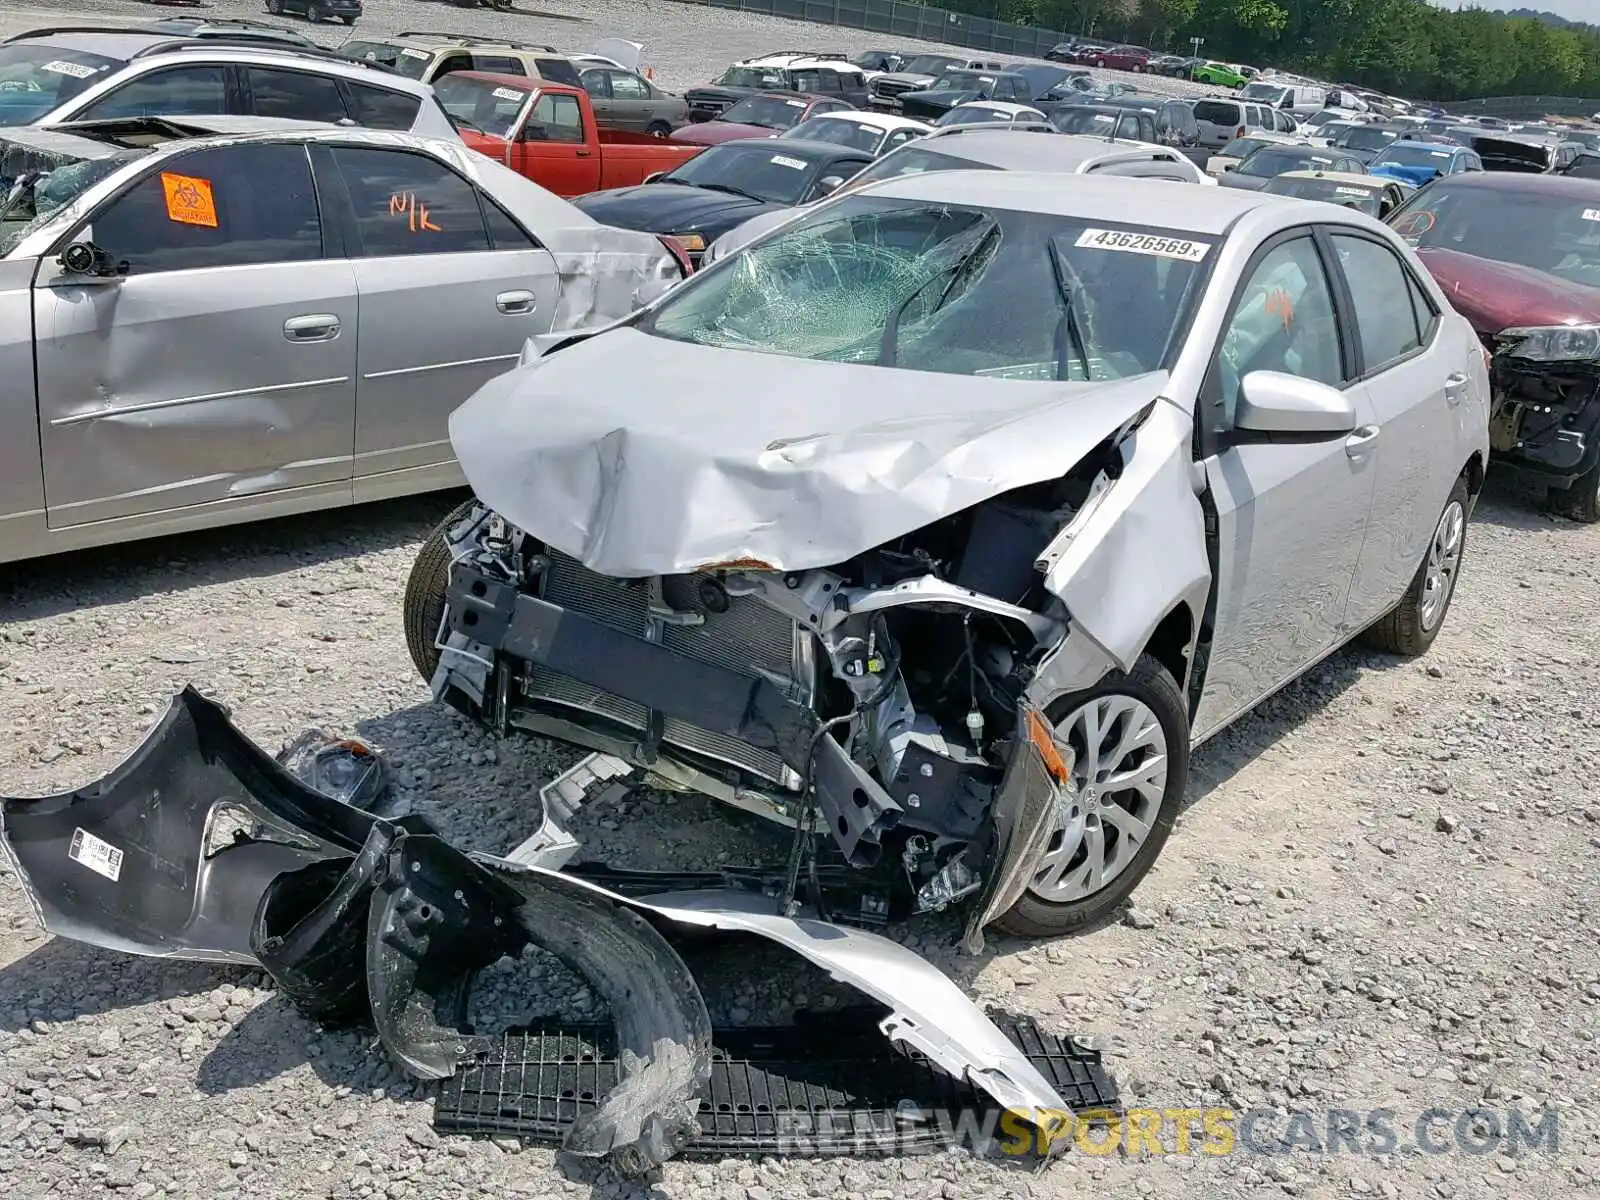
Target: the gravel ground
pixel 1383 894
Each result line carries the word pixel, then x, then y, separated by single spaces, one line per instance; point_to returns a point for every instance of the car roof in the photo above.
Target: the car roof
pixel 428 39
pixel 1031 150
pixel 113 43
pixel 1553 186
pixel 1437 147
pixel 1125 201
pixel 1009 107
pixel 888 122
pixel 522 83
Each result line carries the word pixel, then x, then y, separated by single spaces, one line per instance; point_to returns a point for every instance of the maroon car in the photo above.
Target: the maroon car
pixel 1123 58
pixel 1519 256
pixel 766 114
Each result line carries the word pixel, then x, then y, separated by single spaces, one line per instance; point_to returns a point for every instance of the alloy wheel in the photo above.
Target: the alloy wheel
pixel 1118 779
pixel 1444 562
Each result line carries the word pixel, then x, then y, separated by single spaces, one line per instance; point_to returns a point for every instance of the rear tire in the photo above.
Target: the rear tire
pixel 425 593
pixel 1147 692
pixel 1581 499
pixel 1413 624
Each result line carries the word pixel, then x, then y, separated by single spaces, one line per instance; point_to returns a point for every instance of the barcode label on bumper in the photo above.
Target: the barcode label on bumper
pixel 98 855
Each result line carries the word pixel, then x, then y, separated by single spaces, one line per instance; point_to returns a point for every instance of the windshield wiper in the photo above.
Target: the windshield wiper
pixel 1067 330
pixel 731 190
pixel 953 275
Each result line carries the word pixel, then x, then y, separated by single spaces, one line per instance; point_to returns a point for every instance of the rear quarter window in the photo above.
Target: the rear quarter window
pixel 381 108
pixel 1218 112
pixel 558 70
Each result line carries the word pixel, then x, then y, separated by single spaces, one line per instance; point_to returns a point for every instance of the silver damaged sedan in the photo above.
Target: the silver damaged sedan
pixel 942 523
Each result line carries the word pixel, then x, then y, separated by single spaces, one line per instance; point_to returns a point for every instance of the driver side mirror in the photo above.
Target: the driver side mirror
pixel 92 263
pixel 829 184
pixel 1274 402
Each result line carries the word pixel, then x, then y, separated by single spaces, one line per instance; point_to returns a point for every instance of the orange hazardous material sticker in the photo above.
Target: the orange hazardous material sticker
pixel 189 200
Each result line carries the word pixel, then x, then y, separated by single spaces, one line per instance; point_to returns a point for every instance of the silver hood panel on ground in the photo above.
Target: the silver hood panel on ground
pixel 644 456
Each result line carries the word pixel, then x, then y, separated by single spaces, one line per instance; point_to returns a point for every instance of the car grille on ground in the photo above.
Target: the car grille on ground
pixel 750 636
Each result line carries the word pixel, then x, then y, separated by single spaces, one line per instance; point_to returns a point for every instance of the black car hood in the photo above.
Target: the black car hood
pixel 718 92
pixel 672 208
pixel 943 100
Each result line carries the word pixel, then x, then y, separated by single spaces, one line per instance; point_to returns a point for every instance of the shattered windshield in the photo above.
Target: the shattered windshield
pixel 838 131
pixel 480 105
pixel 963 81
pixel 1366 199
pixel 1364 137
pixel 38 186
pixel 770 112
pixel 34 79
pixel 760 78
pixel 1270 161
pixel 928 64
pixel 403 60
pixel 758 168
pixel 1560 236
pixel 1410 154
pixel 952 290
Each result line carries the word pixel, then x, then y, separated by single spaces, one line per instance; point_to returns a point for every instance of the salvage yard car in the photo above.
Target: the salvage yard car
pixel 1267 162
pixel 763 115
pixel 1040 486
pixel 1415 163
pixel 725 186
pixel 1519 257
pixel 548 132
pixel 52 76
pixel 241 326
pixel 874 132
pixel 1374 196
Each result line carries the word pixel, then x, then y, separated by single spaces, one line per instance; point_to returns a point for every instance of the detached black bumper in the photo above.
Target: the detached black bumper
pixel 1546 418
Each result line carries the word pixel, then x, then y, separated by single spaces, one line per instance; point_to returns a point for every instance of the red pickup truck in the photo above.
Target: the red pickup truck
pixel 547 132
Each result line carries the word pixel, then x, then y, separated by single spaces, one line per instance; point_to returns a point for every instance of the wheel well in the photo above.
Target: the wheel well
pixel 1169 644
pixel 1474 473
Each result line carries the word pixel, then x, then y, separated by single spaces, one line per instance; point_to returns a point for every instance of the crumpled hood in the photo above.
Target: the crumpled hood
pixel 1497 295
pixel 670 208
pixel 641 456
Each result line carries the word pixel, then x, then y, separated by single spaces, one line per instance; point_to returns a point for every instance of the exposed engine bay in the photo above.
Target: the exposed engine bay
pixel 882 699
pixel 1546 415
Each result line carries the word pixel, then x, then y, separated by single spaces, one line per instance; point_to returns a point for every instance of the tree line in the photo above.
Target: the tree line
pixel 1407 47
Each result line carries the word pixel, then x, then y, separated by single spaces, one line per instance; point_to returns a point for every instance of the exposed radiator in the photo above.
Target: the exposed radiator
pixel 750 637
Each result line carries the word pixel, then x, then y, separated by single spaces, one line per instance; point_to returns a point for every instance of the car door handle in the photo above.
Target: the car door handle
pixel 582 153
pixel 1455 388
pixel 314 327
pixel 1359 442
pixel 515 303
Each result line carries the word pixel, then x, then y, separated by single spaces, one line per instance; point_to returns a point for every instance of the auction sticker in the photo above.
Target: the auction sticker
pixel 76 70
pixel 410 53
pixel 509 94
pixel 99 856
pixel 1144 243
pixel 794 164
pixel 1344 191
pixel 1591 214
pixel 795 103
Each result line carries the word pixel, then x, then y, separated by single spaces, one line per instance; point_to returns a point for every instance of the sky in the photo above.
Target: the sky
pixel 1573 10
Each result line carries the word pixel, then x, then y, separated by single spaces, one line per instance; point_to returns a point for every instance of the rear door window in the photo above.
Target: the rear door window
pixel 294 95
pixel 1217 112
pixel 627 87
pixel 381 108
pixel 209 208
pixel 198 90
pixel 409 204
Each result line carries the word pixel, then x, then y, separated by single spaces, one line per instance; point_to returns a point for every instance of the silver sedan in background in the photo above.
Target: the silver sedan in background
pixel 202 327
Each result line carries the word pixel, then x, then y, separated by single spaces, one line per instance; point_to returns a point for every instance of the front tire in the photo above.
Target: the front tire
pixel 1130 735
pixel 1413 624
pixel 425 593
pixel 1580 500
pixel 275 7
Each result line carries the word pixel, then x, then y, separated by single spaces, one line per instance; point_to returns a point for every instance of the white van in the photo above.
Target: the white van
pixel 1303 99
pixel 1219 121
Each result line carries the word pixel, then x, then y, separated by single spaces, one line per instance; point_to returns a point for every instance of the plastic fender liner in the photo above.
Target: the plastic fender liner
pixel 439 917
pixel 927 1011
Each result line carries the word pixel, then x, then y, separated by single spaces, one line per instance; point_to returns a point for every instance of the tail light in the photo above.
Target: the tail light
pixel 680 254
pixel 1240 132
